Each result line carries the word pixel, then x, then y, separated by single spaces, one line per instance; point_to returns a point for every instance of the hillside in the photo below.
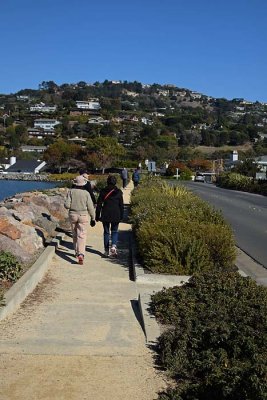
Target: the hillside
pixel 114 123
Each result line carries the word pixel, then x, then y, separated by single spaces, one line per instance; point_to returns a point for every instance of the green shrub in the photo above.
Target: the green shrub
pixel 216 346
pixel 188 235
pixel 235 181
pixel 9 267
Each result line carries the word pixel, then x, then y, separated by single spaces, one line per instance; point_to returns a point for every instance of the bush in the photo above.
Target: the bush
pixel 188 235
pixel 216 346
pixel 9 267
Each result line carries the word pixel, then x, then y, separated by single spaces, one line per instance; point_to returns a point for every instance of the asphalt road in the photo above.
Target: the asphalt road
pixel 246 213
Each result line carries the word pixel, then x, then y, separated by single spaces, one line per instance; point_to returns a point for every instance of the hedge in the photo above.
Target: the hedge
pixel 215 347
pixel 243 183
pixel 177 232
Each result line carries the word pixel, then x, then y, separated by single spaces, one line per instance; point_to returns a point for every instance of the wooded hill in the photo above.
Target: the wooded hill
pixel 134 121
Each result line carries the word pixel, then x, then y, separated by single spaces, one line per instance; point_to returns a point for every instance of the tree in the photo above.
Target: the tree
pixel 247 168
pixel 62 155
pixel 200 164
pixel 102 152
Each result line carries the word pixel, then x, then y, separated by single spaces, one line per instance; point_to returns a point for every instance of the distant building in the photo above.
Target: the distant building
pixel 47 124
pixel 4 163
pixel 40 133
pixel 195 95
pixel 92 104
pixel 33 149
pixel 23 98
pixel 77 140
pixel 41 107
pixel 262 163
pixel 98 121
pixel 76 113
pixel 146 121
pixel 25 166
pixel 232 161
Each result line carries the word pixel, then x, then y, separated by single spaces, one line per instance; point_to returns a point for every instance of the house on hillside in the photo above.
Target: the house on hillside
pixel 232 161
pixel 98 121
pixel 77 140
pixel 41 107
pixel 45 123
pixel 33 149
pixel 4 163
pixel 25 166
pixel 91 104
pixel 40 133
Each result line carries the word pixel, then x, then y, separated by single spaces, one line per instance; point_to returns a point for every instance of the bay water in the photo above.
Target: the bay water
pixel 10 188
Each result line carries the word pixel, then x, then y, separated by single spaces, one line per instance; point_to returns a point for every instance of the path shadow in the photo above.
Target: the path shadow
pixel 66 256
pixel 123 257
pixel 126 213
pixel 67 245
pixel 92 251
pixel 66 232
pixel 137 313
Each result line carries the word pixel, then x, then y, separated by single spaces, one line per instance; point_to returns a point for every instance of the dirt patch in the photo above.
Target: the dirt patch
pixel 211 149
pixel 27 377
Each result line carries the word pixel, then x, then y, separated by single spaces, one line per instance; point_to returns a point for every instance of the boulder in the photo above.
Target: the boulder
pixel 9 245
pixel 29 221
pixel 8 229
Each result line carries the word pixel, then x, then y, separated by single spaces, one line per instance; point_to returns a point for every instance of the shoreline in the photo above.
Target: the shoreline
pixel 25 177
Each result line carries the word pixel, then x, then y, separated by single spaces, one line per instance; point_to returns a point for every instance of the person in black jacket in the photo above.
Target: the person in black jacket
pixel 109 211
pixel 88 186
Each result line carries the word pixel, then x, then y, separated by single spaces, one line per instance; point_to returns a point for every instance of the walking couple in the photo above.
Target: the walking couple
pixel 109 210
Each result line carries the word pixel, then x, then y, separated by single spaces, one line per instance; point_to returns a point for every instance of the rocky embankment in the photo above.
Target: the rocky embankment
pixel 28 221
pixel 25 177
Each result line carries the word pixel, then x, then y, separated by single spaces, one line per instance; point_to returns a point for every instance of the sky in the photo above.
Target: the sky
pixel 215 47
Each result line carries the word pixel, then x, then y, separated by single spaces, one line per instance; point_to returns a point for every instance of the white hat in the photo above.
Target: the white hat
pixel 79 181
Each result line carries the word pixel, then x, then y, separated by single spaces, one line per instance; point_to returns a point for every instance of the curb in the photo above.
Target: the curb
pixel 147 284
pixel 27 283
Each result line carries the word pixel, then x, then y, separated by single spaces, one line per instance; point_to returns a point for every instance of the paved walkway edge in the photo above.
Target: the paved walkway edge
pixel 28 282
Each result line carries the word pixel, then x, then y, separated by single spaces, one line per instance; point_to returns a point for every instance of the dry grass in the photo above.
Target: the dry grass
pixel 211 149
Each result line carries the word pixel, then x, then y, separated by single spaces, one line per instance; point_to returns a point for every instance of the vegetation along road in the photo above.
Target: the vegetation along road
pixel 246 212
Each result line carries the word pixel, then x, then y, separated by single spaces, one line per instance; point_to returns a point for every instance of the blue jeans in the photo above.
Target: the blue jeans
pixel 113 226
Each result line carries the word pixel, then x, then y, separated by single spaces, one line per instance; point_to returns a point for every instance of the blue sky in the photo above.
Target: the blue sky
pixel 216 47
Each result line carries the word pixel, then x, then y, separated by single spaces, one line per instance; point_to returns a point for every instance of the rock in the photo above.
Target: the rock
pixel 46 224
pixel 8 229
pixel 9 245
pixel 30 221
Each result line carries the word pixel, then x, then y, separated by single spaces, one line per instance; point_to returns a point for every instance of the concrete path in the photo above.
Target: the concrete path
pixel 78 335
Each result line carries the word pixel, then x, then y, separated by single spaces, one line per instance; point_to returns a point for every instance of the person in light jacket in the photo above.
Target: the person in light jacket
pixel 80 206
pixel 124 177
pixel 109 210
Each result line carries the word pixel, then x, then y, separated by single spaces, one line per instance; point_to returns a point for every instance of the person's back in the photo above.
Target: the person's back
pixel 124 173
pixel 124 177
pixel 80 200
pixel 110 204
pixel 136 177
pixel 88 187
pixel 109 211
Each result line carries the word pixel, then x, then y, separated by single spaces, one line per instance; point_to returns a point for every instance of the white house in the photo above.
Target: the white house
pixel 46 124
pixel 98 121
pixel 23 98
pixel 41 107
pixel 91 104
pixel 40 133
pixel 195 95
pixel 33 149
pixel 146 121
